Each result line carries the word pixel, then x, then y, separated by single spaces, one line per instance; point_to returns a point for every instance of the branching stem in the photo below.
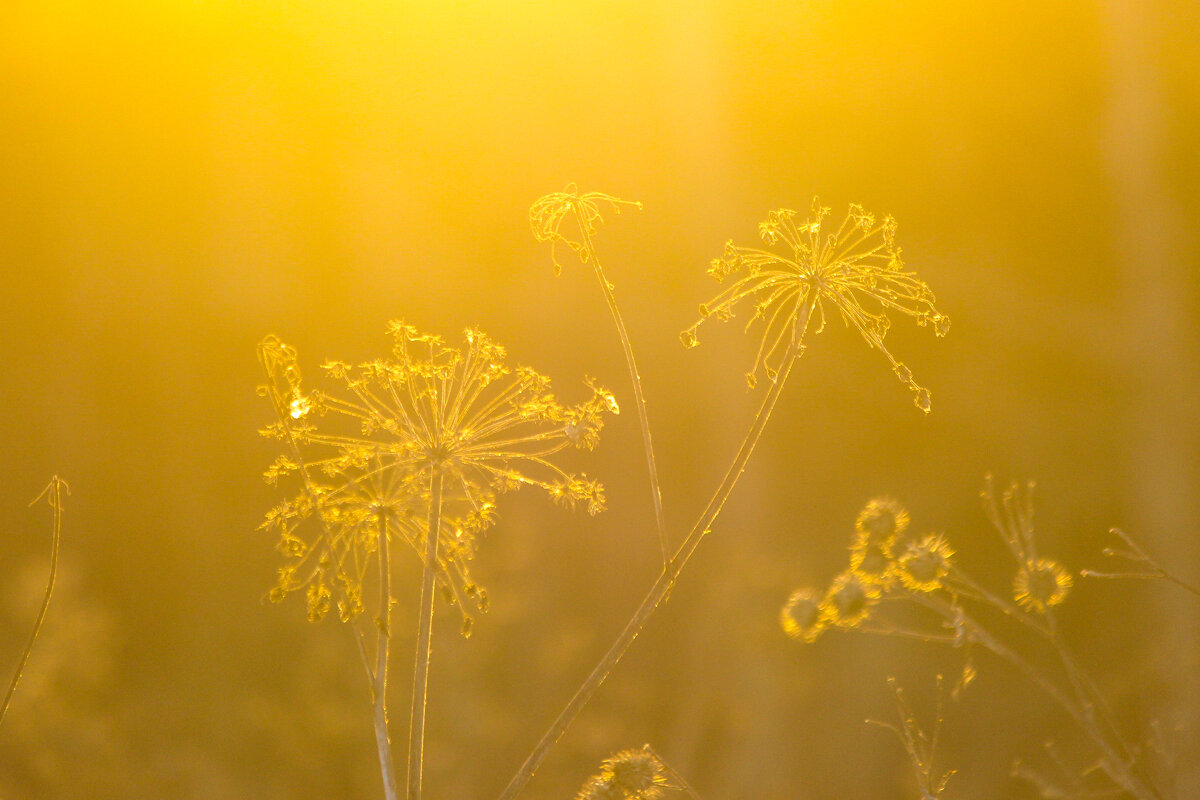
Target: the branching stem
pixel 666 580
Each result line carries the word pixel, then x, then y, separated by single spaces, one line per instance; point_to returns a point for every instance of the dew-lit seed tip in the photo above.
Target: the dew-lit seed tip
pixel 881 520
pixel 922 399
pixel 941 324
pixel 801 616
pixel 1041 583
pixel 689 338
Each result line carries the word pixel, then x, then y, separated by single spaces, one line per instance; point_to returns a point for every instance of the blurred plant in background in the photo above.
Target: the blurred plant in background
pixel 890 568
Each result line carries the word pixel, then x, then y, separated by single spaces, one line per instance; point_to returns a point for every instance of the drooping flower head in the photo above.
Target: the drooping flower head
pixel 855 268
pixel 366 449
pixel 580 212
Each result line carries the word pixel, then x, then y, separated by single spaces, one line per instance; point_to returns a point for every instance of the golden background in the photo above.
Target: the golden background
pixel 180 178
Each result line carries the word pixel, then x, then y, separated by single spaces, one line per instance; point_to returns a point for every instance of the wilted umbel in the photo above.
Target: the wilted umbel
pixel 548 213
pixel 857 269
pixel 365 450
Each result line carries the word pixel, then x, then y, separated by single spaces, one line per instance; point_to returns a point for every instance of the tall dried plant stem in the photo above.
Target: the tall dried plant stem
pixel 666 580
pixel 416 728
pixel 639 398
pixel 391 787
pixel 53 492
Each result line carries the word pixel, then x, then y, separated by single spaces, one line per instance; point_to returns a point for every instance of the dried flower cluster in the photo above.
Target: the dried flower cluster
pixel 580 212
pixel 888 563
pixel 855 268
pixel 365 448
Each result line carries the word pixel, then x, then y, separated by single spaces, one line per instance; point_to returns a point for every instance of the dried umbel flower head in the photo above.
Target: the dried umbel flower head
pixel 1041 583
pixel 635 774
pixel 581 213
pixel 801 616
pixel 849 600
pixel 880 522
pixel 856 268
pixel 924 563
pixel 365 452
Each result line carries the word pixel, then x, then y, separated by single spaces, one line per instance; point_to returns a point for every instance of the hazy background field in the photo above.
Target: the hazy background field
pixel 180 178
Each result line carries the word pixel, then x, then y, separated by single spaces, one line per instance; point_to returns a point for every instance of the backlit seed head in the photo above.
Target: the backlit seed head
pixel 1041 583
pixel 881 521
pixel 816 270
pixel 364 454
pixel 801 616
pixel 635 774
pixel 849 600
pixel 572 218
pixel 924 564
pixel 870 560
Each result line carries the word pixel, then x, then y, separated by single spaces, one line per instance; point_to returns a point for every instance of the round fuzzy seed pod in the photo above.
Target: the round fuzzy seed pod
pixel 881 521
pixel 1040 584
pixel 923 564
pixel 849 600
pixel 801 616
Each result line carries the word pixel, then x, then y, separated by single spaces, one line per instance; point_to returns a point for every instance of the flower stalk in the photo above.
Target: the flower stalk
pixel 670 574
pixel 416 729
pixel 53 493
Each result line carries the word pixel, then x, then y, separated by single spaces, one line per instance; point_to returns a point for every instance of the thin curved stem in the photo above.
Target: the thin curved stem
pixel 391 787
pixel 639 398
pixel 416 728
pixel 1114 764
pixel 53 493
pixel 666 580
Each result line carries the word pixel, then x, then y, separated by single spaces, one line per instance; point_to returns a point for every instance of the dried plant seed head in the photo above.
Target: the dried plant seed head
pixel 855 269
pixel 871 558
pixel 924 563
pixel 572 218
pixel 364 453
pixel 1040 584
pixel 881 521
pixel 598 788
pixel 635 774
pixel 849 600
pixel 801 615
